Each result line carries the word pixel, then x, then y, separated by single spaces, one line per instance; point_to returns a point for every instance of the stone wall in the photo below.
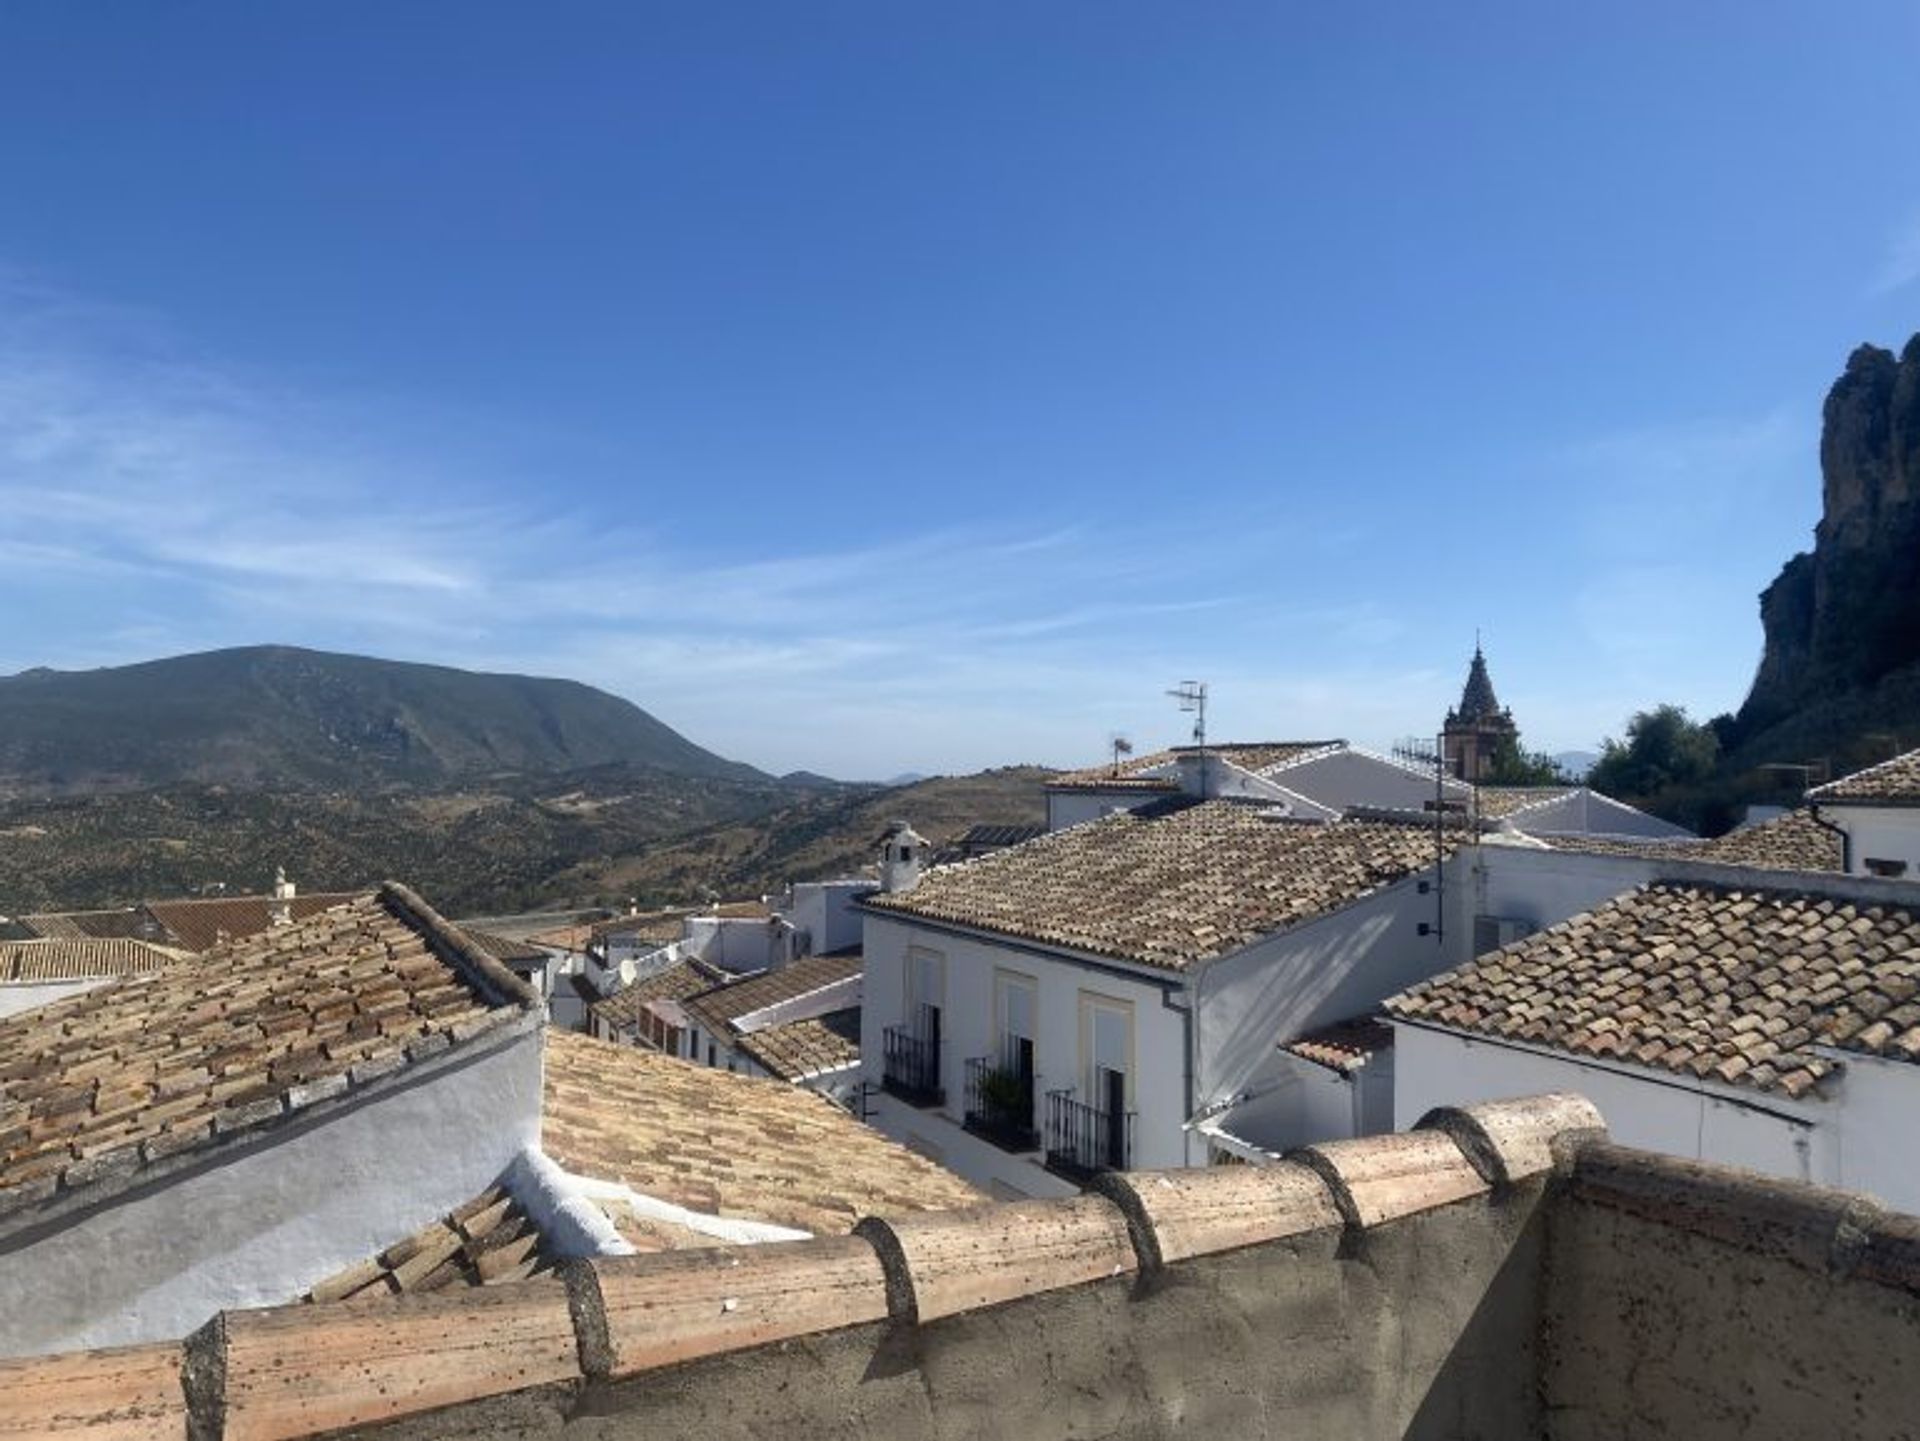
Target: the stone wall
pixel 1500 1272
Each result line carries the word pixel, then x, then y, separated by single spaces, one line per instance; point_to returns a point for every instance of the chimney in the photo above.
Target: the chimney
pixel 903 855
pixel 283 891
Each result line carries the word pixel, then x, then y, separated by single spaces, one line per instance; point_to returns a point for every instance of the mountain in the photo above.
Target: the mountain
pixel 279 717
pixel 1840 676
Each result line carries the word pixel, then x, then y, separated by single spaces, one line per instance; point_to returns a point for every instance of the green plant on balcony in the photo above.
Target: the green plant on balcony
pixel 1006 1094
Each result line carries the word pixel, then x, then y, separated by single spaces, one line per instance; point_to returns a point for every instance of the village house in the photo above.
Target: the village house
pixel 1877 812
pixel 1746 1017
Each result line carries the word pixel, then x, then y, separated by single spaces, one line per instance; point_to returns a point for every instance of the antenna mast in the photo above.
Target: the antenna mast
pixel 1192 695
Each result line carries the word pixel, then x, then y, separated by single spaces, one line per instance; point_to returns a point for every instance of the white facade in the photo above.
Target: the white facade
pixel 1881 840
pixel 260 1221
pixel 824 915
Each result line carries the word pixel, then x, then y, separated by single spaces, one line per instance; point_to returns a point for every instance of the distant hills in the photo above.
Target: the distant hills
pixel 279 717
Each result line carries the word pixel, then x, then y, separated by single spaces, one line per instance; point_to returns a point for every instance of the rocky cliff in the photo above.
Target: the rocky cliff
pixel 1843 622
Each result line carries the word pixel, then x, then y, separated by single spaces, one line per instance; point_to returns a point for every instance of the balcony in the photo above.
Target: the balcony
pixel 911 1064
pixel 1000 1103
pixel 1083 1140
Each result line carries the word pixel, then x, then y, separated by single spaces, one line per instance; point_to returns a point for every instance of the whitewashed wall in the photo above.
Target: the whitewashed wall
pixel 1878 1139
pixel 1655 1110
pixel 18 996
pixel 971 1028
pixel 1585 812
pixel 1879 833
pixel 1073 808
pixel 259 1222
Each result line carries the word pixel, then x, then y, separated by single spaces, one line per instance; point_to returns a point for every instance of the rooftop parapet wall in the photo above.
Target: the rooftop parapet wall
pixel 1387 1288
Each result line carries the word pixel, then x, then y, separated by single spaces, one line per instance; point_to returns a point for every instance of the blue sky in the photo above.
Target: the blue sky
pixel 871 387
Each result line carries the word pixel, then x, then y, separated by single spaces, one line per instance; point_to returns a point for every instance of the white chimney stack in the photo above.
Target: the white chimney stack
pixel 283 891
pixel 903 855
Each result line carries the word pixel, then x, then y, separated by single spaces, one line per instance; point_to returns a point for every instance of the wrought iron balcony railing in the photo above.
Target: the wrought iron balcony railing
pixel 911 1065
pixel 1000 1104
pixel 1083 1140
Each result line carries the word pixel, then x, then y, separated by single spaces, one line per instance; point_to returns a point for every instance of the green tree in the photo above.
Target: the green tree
pixel 1663 749
pixel 1512 765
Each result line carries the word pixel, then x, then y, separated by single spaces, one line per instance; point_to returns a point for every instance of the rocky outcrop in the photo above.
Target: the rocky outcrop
pixel 1844 618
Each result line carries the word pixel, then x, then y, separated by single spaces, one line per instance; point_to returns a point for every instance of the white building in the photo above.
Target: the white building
pixel 1742 1017
pixel 1878 812
pixel 1093 998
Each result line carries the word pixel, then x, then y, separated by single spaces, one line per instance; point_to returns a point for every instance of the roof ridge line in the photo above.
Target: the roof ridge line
pixel 495 983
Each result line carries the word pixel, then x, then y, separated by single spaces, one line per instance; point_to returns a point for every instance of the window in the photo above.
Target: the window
pixel 710 1060
pixel 926 991
pixel 1106 1051
pixel 1016 1005
pixel 1887 868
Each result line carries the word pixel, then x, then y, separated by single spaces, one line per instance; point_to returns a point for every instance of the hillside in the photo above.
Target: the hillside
pixel 279 717
pixel 815 838
pixel 590 838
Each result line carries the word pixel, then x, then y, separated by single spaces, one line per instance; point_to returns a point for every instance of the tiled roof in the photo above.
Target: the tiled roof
pixel 565 938
pixel 98 1086
pixel 79 960
pixel 507 950
pixel 675 983
pixel 1499 802
pixel 121 923
pixel 714 1009
pixel 1260 756
pixel 813 1047
pixel 1171 885
pixel 1727 985
pixel 727 1145
pixel 488 1240
pixel 1895 782
pixel 1130 774
pixel 1792 842
pixel 203 924
pixel 1344 1046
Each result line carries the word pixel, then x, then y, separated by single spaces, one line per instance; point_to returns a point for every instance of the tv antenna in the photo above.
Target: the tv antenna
pixel 1192 695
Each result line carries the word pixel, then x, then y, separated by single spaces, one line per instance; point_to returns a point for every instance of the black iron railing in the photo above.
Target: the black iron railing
pixel 911 1067
pixel 1083 1139
pixel 1000 1100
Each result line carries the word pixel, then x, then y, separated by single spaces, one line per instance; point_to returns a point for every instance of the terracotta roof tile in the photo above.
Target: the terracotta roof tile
pixel 802 1049
pixel 1500 802
pixel 505 949
pixel 99 1085
pixel 1133 773
pixel 202 924
pixel 1790 842
pixel 1171 884
pixel 1894 782
pixel 487 1240
pixel 715 1009
pixel 678 981
pixel 80 960
pixel 1344 1046
pixel 727 1145
pixel 121 923
pixel 1741 985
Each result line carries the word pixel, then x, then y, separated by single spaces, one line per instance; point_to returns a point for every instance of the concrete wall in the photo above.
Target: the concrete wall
pixel 1424 1329
pixel 1738 1327
pixel 260 1222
